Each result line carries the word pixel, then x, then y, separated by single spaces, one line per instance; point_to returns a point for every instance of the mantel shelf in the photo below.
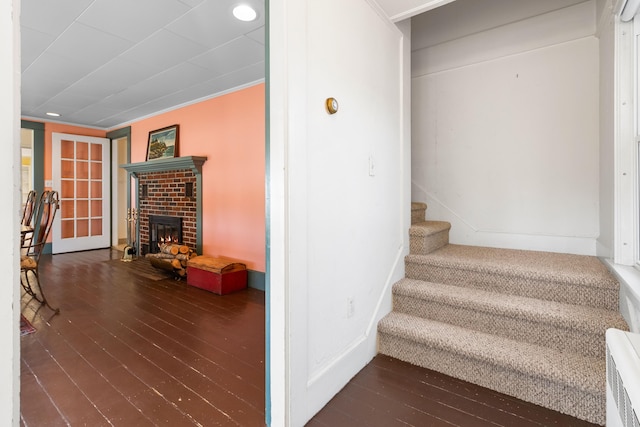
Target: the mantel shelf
pixel 160 165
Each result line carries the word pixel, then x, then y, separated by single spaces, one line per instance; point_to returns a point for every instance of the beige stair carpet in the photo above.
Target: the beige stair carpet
pixel 525 323
pixel 564 327
pixel 562 381
pixel 573 279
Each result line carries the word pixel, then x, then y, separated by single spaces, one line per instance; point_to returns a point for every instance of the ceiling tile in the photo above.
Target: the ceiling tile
pixel 122 101
pixel 251 73
pixel 109 121
pixel 212 22
pixel 54 68
pixel 236 54
pixel 92 47
pixel 67 104
pixel 239 78
pixel 153 107
pixel 111 78
pixel 104 110
pixel 192 3
pixel 42 91
pixel 171 80
pixel 51 17
pixel 33 44
pixel 163 50
pixel 90 113
pixel 258 35
pixel 132 20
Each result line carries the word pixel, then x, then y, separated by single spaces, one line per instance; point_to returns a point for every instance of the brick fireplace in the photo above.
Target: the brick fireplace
pixel 170 188
pixel 167 193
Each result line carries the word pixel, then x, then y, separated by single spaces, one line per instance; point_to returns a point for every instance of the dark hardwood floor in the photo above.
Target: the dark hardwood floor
pixel 132 351
pixel 389 392
pixel 133 347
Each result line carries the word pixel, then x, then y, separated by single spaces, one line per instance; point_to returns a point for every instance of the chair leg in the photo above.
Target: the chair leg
pixel 28 288
pixel 26 285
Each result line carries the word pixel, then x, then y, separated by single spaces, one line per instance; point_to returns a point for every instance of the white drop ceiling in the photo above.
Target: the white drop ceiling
pixel 105 63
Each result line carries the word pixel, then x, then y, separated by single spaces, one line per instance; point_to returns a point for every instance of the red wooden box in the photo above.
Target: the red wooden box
pixel 216 275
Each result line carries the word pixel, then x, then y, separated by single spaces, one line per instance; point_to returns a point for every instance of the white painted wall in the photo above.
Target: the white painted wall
pixel 466 17
pixel 9 212
pixel 506 126
pixel 337 233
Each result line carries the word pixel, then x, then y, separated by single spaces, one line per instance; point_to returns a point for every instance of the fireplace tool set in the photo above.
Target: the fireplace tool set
pixel 130 248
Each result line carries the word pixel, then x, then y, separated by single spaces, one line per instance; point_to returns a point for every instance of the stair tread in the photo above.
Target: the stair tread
pixel 589 319
pixel 582 372
pixel 550 266
pixel 427 228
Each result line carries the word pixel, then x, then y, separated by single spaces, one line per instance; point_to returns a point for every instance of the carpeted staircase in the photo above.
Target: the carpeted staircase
pixel 528 324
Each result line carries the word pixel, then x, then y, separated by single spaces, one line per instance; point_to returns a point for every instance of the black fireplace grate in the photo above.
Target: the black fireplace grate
pixel 163 229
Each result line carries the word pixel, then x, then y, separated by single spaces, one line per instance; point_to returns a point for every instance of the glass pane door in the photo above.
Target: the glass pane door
pixel 81 175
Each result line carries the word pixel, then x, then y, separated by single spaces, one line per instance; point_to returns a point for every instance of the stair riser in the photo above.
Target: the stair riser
pixel 418 212
pixel 418 215
pixel 559 292
pixel 424 245
pixel 559 397
pixel 527 330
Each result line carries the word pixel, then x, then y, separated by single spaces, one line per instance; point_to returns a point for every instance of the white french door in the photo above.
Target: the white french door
pixel 80 170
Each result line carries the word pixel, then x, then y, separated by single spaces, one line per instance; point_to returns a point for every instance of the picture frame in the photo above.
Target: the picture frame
pixel 163 143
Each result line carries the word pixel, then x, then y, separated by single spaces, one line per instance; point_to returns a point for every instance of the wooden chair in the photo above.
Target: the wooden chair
pixel 28 211
pixel 32 248
pixel 29 208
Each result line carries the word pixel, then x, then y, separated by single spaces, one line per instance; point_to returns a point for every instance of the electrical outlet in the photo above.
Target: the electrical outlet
pixel 349 307
pixel 48 183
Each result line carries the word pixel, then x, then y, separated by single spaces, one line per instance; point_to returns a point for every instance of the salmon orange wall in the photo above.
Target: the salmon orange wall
pixel 230 131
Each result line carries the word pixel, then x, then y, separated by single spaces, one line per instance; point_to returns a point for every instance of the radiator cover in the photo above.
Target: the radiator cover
pixel 623 378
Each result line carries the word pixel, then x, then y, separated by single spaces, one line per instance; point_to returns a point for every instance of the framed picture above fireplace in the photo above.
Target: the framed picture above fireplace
pixel 163 143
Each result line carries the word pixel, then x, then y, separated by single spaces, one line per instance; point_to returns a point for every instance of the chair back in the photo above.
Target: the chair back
pixel 43 222
pixel 29 208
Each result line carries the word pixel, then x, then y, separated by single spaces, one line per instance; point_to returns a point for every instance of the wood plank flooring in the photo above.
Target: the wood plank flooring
pixel 389 392
pixel 128 350
pixel 134 347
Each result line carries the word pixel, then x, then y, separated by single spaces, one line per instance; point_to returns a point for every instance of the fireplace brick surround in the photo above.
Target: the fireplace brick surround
pixel 165 193
pixel 171 187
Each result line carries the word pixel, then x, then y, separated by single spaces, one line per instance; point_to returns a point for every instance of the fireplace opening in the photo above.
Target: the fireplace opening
pixel 164 229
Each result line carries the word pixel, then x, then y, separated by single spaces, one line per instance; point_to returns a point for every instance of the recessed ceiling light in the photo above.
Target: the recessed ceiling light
pixel 244 12
pixel 53 114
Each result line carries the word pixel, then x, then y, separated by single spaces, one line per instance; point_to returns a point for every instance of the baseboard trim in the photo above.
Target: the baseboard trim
pixel 256 280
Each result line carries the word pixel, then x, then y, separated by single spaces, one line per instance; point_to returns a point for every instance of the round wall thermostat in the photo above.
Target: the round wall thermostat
pixel 332 105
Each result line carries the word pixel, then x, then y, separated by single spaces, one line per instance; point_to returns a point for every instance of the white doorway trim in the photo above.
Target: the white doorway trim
pixel 119 183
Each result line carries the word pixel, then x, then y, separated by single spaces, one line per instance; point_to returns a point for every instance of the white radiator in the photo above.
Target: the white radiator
pixel 623 378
